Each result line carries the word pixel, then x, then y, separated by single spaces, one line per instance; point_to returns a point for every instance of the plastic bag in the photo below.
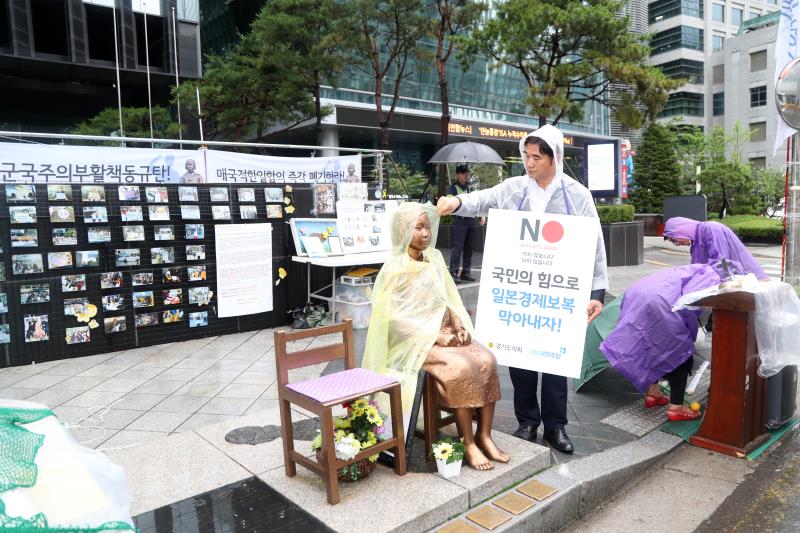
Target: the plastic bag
pixel 777 318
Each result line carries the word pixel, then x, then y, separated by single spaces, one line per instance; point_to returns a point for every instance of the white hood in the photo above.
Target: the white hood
pixel 554 138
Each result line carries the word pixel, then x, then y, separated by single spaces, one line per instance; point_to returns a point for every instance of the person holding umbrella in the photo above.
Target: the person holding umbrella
pixel 463 231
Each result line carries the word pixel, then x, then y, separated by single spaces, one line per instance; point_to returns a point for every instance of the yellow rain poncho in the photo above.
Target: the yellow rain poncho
pixel 408 303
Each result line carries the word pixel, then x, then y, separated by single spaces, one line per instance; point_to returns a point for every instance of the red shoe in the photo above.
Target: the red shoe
pixel 675 415
pixel 655 401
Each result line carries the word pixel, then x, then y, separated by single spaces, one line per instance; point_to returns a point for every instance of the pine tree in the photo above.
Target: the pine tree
pixel 657 171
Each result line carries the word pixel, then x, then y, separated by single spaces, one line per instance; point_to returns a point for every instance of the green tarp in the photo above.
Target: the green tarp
pixel 601 327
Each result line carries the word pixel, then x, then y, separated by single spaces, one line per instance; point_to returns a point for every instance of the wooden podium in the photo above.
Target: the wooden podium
pixel 734 418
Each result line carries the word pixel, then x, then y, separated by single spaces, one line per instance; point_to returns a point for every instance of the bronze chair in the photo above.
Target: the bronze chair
pixel 432 419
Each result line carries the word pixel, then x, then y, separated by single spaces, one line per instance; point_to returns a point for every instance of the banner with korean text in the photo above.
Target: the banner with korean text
pixel 536 281
pixel 233 167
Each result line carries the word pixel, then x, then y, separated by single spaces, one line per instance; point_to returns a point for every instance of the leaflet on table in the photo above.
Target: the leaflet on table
pixel 365 226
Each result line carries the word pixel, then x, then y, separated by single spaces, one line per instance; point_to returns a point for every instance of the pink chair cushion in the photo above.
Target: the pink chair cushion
pixel 341 385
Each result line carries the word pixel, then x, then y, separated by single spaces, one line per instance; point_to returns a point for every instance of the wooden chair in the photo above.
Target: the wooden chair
pixel 319 395
pixel 432 419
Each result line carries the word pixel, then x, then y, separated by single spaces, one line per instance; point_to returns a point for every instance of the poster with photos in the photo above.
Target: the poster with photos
pixel 93 193
pixel 248 212
pixel 274 211
pixel 112 280
pixel 128 193
pixel 5 334
pixel 146 319
pixel 218 194
pixel 247 194
pixel 158 212
pixel 22 214
pixel 164 233
pixel 323 229
pixel 65 236
pixel 61 213
pixel 38 293
pixel 132 233
pixel 365 226
pixel 98 234
pixel 187 194
pixel 113 302
pixel 195 252
pixel 190 212
pixel 143 299
pixel 95 214
pixel 24 237
pixel 37 328
pixel 273 195
pixel 141 278
pixel 196 272
pixel 23 264
pixel 198 320
pixel 3 302
pixel 172 274
pixel 73 283
pixel 59 193
pixel 162 255
pixel 78 335
pixel 352 192
pixel 56 260
pixel 172 296
pixel 76 306
pixel 131 213
pixel 20 193
pixel 172 316
pixel 127 257
pixel 324 199
pixel 220 212
pixel 195 232
pixel 87 258
pixel 199 295
pixel 115 324
pixel 156 195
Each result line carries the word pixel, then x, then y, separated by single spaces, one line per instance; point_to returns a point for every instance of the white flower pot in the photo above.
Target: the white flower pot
pixel 448 470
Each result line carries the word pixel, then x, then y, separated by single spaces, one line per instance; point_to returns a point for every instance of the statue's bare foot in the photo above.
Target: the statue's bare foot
pixel 475 458
pixel 491 450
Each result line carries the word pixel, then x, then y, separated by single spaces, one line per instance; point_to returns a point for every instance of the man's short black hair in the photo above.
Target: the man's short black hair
pixel 462 169
pixel 544 148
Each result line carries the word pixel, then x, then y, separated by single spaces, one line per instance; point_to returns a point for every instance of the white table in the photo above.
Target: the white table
pixel 333 262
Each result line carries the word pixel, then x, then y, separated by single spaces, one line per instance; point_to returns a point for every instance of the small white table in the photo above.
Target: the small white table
pixel 333 262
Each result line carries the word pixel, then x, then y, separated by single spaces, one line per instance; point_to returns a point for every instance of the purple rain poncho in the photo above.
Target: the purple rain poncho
pixel 712 241
pixel 650 340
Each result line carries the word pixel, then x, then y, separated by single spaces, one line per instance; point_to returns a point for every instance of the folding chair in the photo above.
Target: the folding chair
pixel 319 395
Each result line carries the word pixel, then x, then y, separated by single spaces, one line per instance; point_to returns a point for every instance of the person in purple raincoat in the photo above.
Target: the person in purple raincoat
pixel 710 242
pixel 651 342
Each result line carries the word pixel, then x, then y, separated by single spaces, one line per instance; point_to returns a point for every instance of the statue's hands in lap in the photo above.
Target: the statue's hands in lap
pixel 461 337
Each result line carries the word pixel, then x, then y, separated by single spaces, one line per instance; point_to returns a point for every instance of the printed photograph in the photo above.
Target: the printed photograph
pixel 93 193
pixel 187 194
pixel 142 278
pixel 190 212
pixel 20 193
pixel 115 324
pixel 195 231
pixel 2 271
pixel 113 302
pixel 218 212
pixel 75 306
pixel 171 316
pixel 156 195
pixel 112 280
pixel 199 295
pixel 146 319
pixel 195 252
pixel 127 256
pixel 37 328
pixel 87 258
pixel 78 335
pixel 22 214
pixel 162 256
pixel 57 260
pixel 27 264
pixel 143 299
pixel 95 214
pixel 34 294
pixel 133 233
pixel 247 194
pixel 325 198
pixel 273 194
pixel 172 275
pixel 131 213
pixel 73 283
pixel 274 211
pixel 219 194
pixel 163 233
pixel 59 193
pixel 197 320
pixel 98 234
pixel 158 212
pixel 5 334
pixel 172 296
pixel 62 213
pixel 128 193
pixel 196 272
pixel 64 236
pixel 3 302
pixel 248 212
pixel 23 238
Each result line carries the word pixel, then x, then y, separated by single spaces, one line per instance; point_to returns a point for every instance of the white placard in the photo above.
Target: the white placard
pixel 535 286
pixel 244 268
pixel 365 226
pixel 232 167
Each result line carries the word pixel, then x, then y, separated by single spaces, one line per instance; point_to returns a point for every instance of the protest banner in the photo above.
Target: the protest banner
pixel 233 167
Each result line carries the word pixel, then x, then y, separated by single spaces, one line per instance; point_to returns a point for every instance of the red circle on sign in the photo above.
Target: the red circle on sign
pixel 552 231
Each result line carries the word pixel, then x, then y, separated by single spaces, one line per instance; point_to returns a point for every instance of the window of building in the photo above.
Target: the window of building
pixel 664 9
pixel 100 31
pixel 49 21
pixel 758 131
pixel 758 162
pixel 684 104
pixel 718 13
pixel 156 33
pixel 677 37
pixel 717 42
pixel 693 71
pixel 758 96
pixel 719 74
pixel 758 61
pixel 737 14
pixel 5 27
pixel 773 2
pixel 719 104
pixel 753 15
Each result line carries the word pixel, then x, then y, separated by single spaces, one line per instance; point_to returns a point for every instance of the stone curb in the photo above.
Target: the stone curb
pixel 582 485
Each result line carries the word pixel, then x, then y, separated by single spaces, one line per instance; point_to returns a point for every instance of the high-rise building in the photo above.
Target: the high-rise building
pixel 58 63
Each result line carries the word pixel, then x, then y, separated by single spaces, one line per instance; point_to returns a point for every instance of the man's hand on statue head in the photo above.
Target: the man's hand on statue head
pixel 594 309
pixel 447 205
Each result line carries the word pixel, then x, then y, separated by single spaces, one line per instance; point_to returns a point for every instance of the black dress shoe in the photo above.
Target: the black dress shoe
pixel 457 280
pixel 526 432
pixel 467 278
pixel 559 440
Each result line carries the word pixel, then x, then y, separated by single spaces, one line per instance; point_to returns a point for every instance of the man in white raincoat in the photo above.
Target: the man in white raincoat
pixel 544 189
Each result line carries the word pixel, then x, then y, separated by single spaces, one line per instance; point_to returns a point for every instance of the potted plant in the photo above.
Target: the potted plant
pixel 361 428
pixel 448 454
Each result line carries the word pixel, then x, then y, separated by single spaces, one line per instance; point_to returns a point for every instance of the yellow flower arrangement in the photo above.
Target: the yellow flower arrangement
pixel 448 450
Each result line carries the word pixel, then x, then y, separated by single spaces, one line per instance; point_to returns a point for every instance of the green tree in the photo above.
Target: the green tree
pixel 691 147
pixel 383 40
pixel 402 181
pixel 770 186
pixel 729 189
pixel 570 52
pixel 657 171
pixel 135 123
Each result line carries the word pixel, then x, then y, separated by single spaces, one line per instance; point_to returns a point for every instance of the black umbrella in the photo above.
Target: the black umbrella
pixel 466 152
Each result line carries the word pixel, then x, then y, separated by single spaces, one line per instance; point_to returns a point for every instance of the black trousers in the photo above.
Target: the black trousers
pixel 462 245
pixel 553 412
pixel 677 381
